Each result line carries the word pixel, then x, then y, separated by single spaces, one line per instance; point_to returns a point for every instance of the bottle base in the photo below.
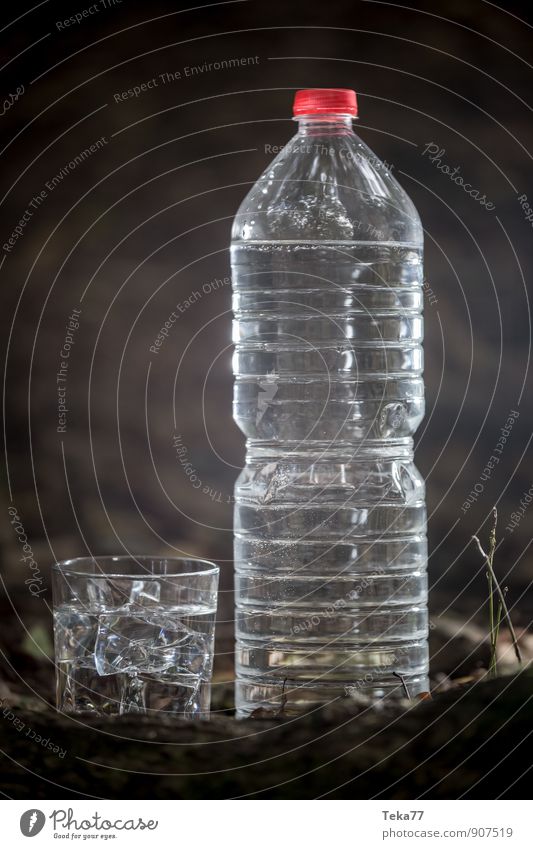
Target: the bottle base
pixel 263 699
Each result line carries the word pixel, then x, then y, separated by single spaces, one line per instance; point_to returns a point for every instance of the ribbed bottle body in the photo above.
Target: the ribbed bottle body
pixel 330 543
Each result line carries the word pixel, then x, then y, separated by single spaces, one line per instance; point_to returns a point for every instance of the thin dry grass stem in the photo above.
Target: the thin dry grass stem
pixel 499 616
pixel 404 685
pixel 502 610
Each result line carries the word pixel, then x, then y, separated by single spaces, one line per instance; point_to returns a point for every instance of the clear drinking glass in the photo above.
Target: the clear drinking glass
pixel 134 634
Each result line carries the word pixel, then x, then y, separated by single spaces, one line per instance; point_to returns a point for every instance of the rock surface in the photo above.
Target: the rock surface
pixel 465 742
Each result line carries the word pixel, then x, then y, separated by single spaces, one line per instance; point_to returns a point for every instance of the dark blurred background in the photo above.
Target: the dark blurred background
pixel 138 227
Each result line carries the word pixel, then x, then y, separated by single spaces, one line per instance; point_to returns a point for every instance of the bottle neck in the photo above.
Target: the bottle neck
pixel 325 125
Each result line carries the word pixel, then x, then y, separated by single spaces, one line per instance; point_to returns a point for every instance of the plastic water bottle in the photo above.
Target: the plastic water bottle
pixel 330 520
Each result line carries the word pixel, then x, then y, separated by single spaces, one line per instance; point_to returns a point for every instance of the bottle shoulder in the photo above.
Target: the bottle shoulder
pixel 327 188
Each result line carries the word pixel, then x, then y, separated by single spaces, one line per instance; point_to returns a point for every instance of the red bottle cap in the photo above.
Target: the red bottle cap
pixel 325 101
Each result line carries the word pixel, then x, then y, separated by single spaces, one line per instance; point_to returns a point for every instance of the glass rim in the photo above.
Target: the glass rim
pixel 69 566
